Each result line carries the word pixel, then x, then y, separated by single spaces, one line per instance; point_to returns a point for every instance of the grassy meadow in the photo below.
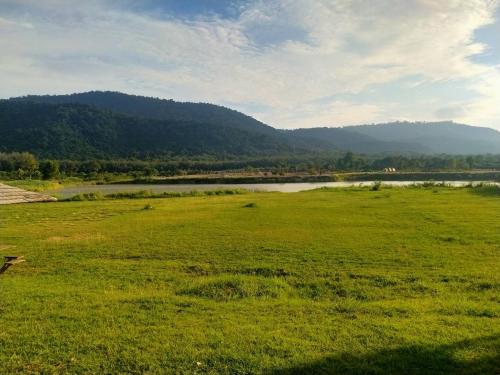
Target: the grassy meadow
pixel 43 185
pixel 393 281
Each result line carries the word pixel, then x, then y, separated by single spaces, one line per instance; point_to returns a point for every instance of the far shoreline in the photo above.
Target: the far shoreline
pixel 235 178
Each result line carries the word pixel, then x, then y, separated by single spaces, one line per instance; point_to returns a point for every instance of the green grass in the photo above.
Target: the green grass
pixel 393 281
pixel 143 194
pixel 43 185
pixel 34 185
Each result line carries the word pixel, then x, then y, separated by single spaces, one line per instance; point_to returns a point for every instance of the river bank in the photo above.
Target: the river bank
pixel 333 177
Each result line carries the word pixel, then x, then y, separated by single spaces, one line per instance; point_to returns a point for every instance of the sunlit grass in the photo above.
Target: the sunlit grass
pixel 43 185
pixel 399 280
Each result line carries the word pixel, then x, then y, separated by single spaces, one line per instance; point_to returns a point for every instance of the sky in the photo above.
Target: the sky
pixel 288 63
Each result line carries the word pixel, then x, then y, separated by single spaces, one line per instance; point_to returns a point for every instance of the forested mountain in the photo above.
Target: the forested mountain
pixel 437 137
pixel 75 131
pixel 159 109
pixel 348 140
pixel 110 125
pixel 405 137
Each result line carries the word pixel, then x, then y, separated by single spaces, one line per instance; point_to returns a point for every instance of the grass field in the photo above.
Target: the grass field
pixel 43 185
pixel 395 281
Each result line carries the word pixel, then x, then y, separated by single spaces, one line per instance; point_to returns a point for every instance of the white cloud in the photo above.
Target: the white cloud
pixel 285 55
pixel 335 113
pixel 486 109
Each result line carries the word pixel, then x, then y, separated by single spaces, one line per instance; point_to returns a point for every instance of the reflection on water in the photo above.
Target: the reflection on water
pixel 285 187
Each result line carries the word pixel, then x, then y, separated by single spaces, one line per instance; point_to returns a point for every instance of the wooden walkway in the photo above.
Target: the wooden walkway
pixel 10 195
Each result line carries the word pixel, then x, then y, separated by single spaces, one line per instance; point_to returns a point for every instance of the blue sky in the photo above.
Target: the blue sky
pixel 289 63
pixel 187 9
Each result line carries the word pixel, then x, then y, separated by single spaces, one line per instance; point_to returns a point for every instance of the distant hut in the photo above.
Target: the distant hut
pixel 10 195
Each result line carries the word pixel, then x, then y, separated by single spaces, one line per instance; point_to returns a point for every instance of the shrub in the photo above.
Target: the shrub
pixel 93 196
pixel 487 190
pixel 131 195
pixel 377 185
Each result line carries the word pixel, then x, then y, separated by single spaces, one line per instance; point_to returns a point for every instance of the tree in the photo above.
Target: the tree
pixel 27 162
pixel 49 169
pixel 15 161
pixel 91 166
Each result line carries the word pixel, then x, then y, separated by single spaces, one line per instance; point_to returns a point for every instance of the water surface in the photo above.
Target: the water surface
pixel 290 187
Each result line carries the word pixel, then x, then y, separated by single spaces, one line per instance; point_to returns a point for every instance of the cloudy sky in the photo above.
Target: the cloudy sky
pixel 289 63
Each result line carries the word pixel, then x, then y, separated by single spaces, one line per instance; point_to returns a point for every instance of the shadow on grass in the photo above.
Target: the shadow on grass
pixel 413 360
pixel 487 190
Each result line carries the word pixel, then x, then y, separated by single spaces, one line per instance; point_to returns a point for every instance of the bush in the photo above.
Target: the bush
pixel 93 196
pixel 142 194
pixel 132 195
pixel 171 194
pixel 377 185
pixel 487 190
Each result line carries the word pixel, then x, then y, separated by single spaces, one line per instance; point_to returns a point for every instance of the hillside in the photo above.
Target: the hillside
pixel 110 124
pixel 347 140
pixel 438 137
pixel 159 109
pixel 78 131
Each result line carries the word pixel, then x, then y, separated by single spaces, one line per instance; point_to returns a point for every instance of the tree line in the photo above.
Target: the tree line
pixel 23 165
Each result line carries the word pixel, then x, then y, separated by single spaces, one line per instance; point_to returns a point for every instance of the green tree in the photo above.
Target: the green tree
pixel 27 162
pixel 49 169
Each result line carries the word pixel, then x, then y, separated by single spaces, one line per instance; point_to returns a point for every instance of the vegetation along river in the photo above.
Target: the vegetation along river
pixel 283 187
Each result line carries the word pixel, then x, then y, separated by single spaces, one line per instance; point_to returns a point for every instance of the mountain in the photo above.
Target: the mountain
pixel 77 131
pixel 348 140
pixel 114 125
pixel 437 137
pixel 159 109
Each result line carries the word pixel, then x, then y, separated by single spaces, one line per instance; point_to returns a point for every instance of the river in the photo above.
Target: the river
pixel 284 187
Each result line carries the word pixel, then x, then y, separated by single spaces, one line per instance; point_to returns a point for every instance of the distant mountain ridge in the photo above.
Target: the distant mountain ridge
pixel 110 124
pixel 350 140
pixel 158 109
pixel 77 131
pixel 437 137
